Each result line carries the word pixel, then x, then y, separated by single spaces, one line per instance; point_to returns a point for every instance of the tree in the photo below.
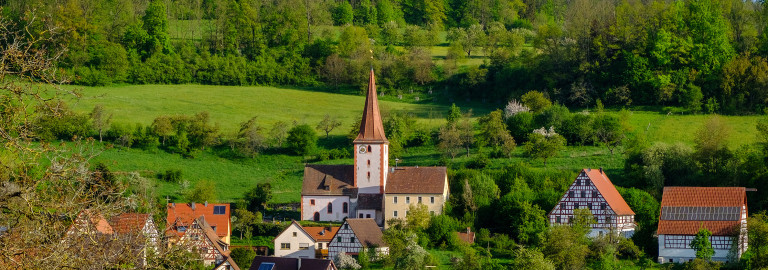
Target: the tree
pixel 544 144
pixel 156 24
pixel 566 246
pixel 163 127
pixel 258 197
pixel 608 131
pixel 531 259
pixel 100 120
pixel 467 132
pixel 346 262
pixel 454 114
pixel 279 132
pixel 413 256
pixel 363 259
pixel 702 245
pixel 467 39
pixel 328 124
pixel 418 217
pixel 251 136
pixel 342 14
pixel 243 255
pixel 204 191
pixel 450 140
pixel 536 101
pixel 302 139
pixel 493 130
pixel 201 132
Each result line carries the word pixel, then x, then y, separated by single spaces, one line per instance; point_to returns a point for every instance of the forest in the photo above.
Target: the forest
pixel 701 56
pixel 551 83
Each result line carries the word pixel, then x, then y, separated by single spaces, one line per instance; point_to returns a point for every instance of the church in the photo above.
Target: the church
pixel 370 188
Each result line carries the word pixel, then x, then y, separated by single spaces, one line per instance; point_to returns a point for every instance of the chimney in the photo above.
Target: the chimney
pixel 206 204
pixel 174 205
pixel 468 231
pixel 601 170
pixel 192 205
pixel 589 170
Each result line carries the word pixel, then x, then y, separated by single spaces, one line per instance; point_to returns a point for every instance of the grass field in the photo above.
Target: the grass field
pixel 229 106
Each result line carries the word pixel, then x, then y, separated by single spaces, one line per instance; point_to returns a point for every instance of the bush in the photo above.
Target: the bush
pixel 302 139
pixel 170 176
pixel 243 256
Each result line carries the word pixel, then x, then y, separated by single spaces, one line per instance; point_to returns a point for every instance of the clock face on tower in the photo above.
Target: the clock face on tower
pixel 362 149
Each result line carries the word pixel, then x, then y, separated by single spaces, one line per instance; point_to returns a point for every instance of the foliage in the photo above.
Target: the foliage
pixel 203 191
pixel 301 139
pixel 328 124
pixel 242 256
pixel 566 246
pixel 536 101
pixel 258 197
pixel 344 261
pixel 702 245
pixel 531 259
pixel 543 144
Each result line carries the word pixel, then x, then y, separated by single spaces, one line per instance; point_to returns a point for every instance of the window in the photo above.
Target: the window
pixel 312 202
pixel 303 246
pixel 351 239
pixel 369 149
pixel 213 228
pixel 571 194
pixel 367 215
pixel 330 208
pixel 346 226
pixel 575 205
pixel 266 266
pixel 562 205
pixel 320 245
pixel 360 215
pixel 583 194
pixel 608 220
pixel 369 163
pixel 407 199
pixel 584 183
pixel 219 209
pixel 394 214
pixel 578 182
pixel 602 206
pixel 295 234
pixel 570 219
pixel 338 239
pixel 589 205
pixel 432 199
pixel 344 208
pixel 670 260
pixel 285 246
pixel 419 199
pixel 182 228
pixel 394 199
pixel 557 219
pixel 594 194
pixel 369 175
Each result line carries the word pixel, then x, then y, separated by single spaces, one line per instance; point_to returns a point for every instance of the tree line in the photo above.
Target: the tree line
pixel 702 56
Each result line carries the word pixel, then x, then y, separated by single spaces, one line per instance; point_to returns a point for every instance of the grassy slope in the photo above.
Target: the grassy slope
pixel 232 105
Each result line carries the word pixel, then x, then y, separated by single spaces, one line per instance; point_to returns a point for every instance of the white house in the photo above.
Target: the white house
pixel 336 192
pixel 594 191
pixel 685 210
pixel 356 234
pixel 297 241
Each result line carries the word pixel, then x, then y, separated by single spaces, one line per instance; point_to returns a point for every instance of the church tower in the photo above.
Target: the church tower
pixel 371 147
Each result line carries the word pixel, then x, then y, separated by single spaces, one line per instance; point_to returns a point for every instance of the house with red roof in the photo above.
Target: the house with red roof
pixel 686 210
pixel 370 188
pixel 181 215
pixel 201 237
pixel 297 241
pixel 139 230
pixel 594 191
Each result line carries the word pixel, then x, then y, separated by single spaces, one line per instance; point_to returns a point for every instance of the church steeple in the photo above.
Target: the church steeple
pixel 371 127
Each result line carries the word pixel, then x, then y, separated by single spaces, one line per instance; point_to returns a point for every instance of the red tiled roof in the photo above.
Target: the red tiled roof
pixel 689 227
pixel 704 196
pixel 416 180
pixel 609 192
pixel 701 197
pixel 371 128
pixel 129 222
pixel 467 236
pixel 182 214
pixel 322 234
pixel 88 218
pixel 329 180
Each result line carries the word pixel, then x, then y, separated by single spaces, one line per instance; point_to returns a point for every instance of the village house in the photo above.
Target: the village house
pixel 138 229
pixel 285 263
pixel 356 234
pixel 686 210
pixel 180 217
pixel 594 191
pixel 370 188
pixel 214 252
pixel 297 241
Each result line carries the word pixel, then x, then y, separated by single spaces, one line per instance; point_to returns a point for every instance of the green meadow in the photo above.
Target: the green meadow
pixel 230 105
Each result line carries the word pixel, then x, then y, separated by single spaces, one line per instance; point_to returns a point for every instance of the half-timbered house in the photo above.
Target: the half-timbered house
pixel 139 230
pixel 594 191
pixel 213 251
pixel 336 192
pixel 356 234
pixel 686 210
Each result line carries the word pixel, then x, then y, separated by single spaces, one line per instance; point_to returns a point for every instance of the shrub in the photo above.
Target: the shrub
pixel 302 139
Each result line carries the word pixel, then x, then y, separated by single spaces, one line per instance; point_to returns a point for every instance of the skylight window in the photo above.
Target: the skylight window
pixel 219 210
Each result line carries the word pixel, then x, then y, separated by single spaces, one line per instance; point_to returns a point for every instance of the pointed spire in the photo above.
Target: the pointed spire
pixel 371 128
